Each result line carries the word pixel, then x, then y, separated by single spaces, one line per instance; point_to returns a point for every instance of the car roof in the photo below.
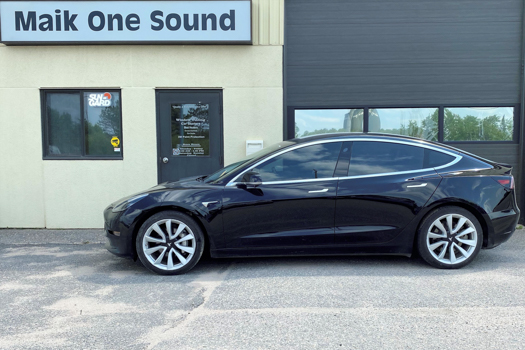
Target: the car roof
pixel 376 136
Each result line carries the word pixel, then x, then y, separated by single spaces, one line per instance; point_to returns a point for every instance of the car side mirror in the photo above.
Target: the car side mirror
pixel 251 179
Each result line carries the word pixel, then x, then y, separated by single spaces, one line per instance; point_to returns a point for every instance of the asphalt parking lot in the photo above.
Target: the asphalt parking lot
pixel 63 290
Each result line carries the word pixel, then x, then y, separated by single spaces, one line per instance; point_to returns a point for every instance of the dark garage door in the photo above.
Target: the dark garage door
pixel 412 53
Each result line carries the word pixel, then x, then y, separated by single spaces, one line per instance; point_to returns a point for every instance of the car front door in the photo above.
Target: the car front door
pixel 293 206
pixel 386 186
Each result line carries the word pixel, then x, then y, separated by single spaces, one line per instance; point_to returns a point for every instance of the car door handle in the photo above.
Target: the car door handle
pixel 421 185
pixel 319 191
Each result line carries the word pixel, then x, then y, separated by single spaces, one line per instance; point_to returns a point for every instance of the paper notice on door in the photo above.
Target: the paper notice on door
pixel 190 130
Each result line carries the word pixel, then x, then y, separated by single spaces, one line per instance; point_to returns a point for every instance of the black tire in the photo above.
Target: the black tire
pixel 185 259
pixel 429 229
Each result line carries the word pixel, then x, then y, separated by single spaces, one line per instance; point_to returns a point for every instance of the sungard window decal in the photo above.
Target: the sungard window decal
pixel 99 100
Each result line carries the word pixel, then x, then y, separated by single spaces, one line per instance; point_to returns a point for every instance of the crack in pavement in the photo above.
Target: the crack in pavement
pixel 48 244
pixel 207 283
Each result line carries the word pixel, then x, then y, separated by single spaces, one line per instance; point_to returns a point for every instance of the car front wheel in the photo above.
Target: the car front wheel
pixel 169 243
pixel 449 238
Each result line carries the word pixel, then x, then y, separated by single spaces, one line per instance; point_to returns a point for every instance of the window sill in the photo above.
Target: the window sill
pixel 82 158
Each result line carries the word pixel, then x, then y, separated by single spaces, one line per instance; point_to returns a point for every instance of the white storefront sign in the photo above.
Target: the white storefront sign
pixel 126 22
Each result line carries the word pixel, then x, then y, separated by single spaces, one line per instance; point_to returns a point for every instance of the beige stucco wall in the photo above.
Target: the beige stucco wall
pixel 72 194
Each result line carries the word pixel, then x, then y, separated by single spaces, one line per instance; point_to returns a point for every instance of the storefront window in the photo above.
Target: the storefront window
pixel 102 124
pixel 63 124
pixel 416 122
pixel 324 121
pixel 479 124
pixel 82 124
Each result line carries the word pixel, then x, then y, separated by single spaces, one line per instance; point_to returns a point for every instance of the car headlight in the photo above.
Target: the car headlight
pixel 128 203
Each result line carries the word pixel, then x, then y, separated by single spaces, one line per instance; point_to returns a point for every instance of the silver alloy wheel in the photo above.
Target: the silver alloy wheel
pixel 452 238
pixel 169 244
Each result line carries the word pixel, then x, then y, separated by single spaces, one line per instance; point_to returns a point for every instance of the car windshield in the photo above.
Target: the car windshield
pixel 229 169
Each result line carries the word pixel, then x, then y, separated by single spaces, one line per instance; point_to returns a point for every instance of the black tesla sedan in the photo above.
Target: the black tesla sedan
pixel 323 195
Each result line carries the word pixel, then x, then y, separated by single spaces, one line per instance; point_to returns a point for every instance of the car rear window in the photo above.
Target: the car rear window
pixel 434 159
pixel 384 157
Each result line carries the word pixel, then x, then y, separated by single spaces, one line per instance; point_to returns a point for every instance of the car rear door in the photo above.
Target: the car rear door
pixel 386 186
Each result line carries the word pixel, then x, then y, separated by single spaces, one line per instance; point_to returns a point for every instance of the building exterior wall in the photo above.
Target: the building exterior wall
pixel 73 193
pixel 338 54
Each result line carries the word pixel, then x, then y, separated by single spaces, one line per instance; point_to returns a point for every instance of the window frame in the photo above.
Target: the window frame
pixel 45 124
pixel 289 132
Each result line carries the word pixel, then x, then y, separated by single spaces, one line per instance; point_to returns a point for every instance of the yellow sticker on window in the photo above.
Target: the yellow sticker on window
pixel 115 141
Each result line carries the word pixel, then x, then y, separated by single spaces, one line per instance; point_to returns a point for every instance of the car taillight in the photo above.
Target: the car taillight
pixel 505 181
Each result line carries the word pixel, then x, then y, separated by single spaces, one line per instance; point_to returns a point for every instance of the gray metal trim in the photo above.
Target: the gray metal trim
pixel 421 185
pixel 521 149
pixel 287 182
pixel 457 156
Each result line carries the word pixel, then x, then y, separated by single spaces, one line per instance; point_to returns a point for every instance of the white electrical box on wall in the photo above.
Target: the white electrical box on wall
pixel 253 146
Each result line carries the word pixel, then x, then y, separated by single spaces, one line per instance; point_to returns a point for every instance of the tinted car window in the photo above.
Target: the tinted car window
pixel 384 157
pixel 227 170
pixel 310 162
pixel 434 159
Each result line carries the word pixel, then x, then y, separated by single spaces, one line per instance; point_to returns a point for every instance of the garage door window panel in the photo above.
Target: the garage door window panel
pixel 324 121
pixel 478 124
pixel 415 122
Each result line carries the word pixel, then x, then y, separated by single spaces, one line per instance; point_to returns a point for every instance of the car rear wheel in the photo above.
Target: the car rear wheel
pixel 449 238
pixel 170 243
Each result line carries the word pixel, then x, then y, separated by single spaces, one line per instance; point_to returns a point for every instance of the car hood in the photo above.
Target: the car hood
pixel 188 193
pixel 188 183
pixel 185 183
